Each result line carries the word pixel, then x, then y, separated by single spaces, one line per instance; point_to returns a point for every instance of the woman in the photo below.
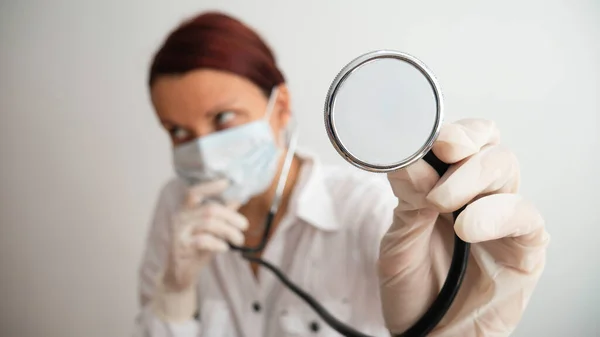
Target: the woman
pixel 374 259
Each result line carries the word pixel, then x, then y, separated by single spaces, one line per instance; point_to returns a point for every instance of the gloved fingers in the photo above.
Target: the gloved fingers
pixel 498 216
pixel 227 214
pixel 221 229
pixel 509 227
pixel 199 216
pixel 233 204
pixel 198 193
pixel 455 142
pixel 494 169
pixel 212 218
pixel 459 140
pixel 209 242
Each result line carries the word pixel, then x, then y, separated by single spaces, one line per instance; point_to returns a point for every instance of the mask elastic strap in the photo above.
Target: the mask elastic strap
pixel 271 102
pixel 289 156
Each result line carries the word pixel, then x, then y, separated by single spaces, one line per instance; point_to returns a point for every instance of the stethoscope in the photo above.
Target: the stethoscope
pixel 451 286
pixel 424 325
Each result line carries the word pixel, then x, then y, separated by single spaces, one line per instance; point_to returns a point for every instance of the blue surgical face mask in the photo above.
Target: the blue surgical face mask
pixel 246 155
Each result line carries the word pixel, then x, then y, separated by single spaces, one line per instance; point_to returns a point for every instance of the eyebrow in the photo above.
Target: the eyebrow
pixel 211 112
pixel 222 107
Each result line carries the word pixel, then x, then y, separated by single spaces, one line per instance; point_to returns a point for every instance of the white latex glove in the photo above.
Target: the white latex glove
pixel 506 231
pixel 199 230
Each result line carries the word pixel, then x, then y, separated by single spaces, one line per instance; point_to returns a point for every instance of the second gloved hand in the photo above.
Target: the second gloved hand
pixel 201 229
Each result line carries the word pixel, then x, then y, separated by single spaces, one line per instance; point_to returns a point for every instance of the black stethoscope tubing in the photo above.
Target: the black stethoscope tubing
pixel 432 316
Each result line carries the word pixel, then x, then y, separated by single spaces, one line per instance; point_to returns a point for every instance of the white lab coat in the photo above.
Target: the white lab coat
pixel 327 243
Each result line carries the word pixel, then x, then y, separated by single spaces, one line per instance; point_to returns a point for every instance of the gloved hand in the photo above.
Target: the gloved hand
pixel 506 231
pixel 199 230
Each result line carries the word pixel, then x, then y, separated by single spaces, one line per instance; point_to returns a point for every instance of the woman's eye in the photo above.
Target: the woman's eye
pixel 225 118
pixel 179 134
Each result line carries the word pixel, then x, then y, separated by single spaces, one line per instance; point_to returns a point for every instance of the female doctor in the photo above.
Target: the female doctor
pixel 374 256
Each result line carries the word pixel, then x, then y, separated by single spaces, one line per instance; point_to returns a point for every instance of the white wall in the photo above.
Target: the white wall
pixel 82 156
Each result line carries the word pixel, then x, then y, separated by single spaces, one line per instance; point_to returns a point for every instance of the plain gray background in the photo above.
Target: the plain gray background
pixel 82 156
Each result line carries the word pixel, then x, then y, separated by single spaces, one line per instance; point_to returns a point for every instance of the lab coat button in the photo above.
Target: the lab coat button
pixel 256 306
pixel 314 327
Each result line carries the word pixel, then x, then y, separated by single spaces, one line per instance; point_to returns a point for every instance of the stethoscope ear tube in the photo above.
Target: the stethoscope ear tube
pixel 432 316
pixel 289 157
pixel 436 311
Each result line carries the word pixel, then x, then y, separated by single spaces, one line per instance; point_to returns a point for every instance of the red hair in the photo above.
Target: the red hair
pixel 217 41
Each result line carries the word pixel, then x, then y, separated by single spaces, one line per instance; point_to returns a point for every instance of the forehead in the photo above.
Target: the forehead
pixel 202 90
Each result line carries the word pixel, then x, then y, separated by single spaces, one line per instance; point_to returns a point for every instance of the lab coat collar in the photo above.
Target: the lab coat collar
pixel 314 203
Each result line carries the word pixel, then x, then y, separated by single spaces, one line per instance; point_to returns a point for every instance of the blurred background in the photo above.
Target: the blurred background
pixel 82 155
